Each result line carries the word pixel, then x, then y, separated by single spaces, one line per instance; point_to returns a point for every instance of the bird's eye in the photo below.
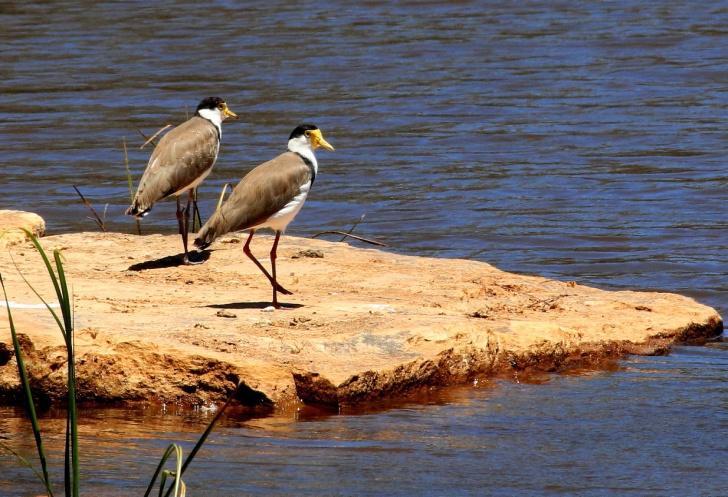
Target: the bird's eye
pixel 308 133
pixel 221 106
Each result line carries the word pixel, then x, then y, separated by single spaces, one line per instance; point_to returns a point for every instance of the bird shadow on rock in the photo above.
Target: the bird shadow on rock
pixel 252 305
pixel 169 261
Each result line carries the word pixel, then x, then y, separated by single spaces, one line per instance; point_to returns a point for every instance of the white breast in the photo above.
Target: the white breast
pixel 280 220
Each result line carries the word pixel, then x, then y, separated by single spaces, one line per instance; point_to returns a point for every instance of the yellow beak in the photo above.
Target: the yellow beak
pixel 228 113
pixel 317 140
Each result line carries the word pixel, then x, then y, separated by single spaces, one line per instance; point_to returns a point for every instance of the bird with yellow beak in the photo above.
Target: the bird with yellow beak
pixel 181 161
pixel 269 196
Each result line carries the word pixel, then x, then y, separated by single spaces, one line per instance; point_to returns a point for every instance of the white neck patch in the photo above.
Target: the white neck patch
pixel 212 115
pixel 301 145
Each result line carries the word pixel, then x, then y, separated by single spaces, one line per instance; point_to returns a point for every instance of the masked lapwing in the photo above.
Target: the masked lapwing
pixel 182 159
pixel 269 196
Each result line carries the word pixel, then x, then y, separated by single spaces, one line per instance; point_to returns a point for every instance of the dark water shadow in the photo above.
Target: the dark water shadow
pixel 252 305
pixel 169 261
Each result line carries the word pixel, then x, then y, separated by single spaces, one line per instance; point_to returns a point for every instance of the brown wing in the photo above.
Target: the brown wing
pixel 182 156
pixel 261 193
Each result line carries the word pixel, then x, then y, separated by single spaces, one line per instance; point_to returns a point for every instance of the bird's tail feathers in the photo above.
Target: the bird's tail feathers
pixel 205 237
pixel 216 226
pixel 137 211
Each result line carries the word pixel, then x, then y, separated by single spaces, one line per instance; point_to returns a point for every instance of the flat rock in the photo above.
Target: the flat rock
pixel 12 224
pixel 362 324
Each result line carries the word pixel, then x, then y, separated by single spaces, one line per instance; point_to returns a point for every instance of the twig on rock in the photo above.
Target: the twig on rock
pixel 353 226
pixel 151 139
pixel 360 238
pixel 96 217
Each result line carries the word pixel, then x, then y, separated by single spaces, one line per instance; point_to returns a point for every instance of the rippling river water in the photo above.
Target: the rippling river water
pixel 582 141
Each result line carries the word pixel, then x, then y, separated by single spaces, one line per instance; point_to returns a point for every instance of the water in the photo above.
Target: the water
pixel 581 142
pixel 647 428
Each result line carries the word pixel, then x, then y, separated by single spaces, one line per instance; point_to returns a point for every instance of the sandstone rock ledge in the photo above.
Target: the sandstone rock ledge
pixel 12 224
pixel 362 324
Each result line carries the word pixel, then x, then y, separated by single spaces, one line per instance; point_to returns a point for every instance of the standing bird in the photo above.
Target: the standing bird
pixel 182 159
pixel 269 196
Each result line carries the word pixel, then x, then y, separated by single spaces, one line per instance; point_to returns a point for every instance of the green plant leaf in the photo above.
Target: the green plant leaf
pixel 177 450
pixel 27 394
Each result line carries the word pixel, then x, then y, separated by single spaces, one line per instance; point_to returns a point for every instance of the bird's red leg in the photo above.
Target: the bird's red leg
pixel 195 210
pixel 181 223
pixel 186 228
pixel 246 249
pixel 273 254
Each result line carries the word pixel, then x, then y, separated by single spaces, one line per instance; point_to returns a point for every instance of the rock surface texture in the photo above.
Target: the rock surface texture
pixel 12 224
pixel 362 324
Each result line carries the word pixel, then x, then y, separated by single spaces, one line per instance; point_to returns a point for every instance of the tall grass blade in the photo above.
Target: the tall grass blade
pixel 204 436
pixel 131 185
pixel 47 263
pixel 163 482
pixel 60 284
pixel 67 460
pixel 50 309
pixel 128 173
pixel 27 394
pixel 64 299
pixel 222 196
pixel 164 473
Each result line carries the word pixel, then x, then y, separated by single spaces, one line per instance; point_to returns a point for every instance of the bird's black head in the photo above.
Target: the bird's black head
pixel 210 103
pixel 301 130
pixel 214 109
pixel 308 135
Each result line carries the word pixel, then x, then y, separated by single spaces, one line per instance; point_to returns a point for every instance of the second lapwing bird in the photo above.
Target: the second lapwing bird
pixel 269 196
pixel 181 161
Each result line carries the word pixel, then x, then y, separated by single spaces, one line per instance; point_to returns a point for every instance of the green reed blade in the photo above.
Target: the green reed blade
pixel 131 185
pixel 50 309
pixel 27 394
pixel 206 433
pixel 47 263
pixel 128 173
pixel 67 459
pixel 71 461
pixel 164 473
pixel 204 436
pixel 163 482
pixel 64 298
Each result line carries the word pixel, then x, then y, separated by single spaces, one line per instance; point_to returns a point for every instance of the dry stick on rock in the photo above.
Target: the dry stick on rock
pixel 348 234
pixel 96 217
pixel 151 139
pixel 360 238
pixel 131 186
pixel 353 226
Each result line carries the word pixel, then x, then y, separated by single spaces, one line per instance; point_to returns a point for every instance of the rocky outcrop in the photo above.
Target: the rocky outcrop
pixel 12 224
pixel 362 324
